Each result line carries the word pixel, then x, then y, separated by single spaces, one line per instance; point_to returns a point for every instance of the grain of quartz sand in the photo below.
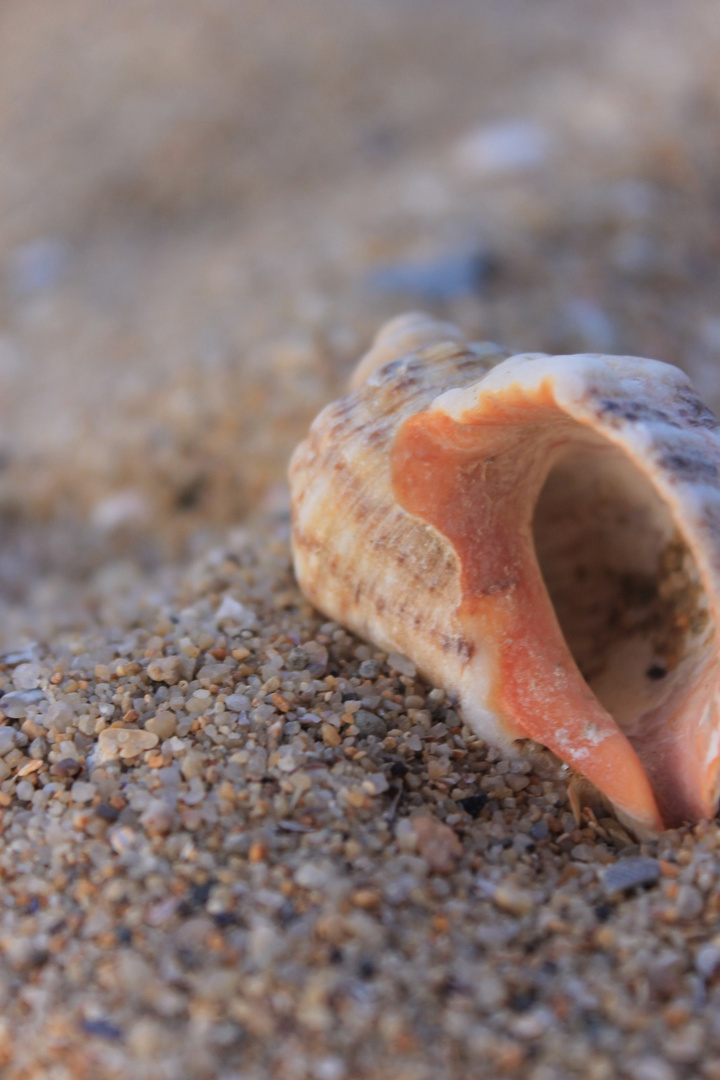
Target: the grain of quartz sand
pixel 239 843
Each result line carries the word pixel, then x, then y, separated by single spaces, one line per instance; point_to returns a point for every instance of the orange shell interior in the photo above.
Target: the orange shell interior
pixel 551 523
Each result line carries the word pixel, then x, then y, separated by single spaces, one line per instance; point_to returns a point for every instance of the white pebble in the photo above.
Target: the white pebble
pixel 707 961
pixel 329 1068
pixel 375 784
pixel 231 610
pixel 402 665
pixel 8 740
pixel 27 676
pixel 650 1068
pixel 58 715
pixel 314 875
pixel 82 792
pixel 508 147
pixel 237 702
pixel 264 945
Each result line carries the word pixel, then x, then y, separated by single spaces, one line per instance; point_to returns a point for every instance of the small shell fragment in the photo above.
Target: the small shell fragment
pixel 540 537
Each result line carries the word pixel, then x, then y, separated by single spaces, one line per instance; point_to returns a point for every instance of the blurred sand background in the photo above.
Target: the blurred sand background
pixel 207 209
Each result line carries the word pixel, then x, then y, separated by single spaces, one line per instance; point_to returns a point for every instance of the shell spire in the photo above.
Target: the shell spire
pixel 541 535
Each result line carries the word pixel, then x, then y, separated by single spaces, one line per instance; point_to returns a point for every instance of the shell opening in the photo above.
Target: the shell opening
pixel 630 603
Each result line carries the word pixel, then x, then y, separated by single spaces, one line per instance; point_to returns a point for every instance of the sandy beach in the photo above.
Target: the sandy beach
pixel 237 842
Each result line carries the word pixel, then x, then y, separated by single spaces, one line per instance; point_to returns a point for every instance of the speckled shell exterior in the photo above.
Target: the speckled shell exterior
pixel 359 556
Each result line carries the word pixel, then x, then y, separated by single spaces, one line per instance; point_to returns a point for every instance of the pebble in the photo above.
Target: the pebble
pixel 8 740
pixel 630 873
pixel 192 765
pixel 125 743
pixel 650 1067
pixel 368 723
pixel 509 146
pixel 163 724
pixel 232 611
pixel 330 735
pixel 38 747
pixel 147 1039
pixel 329 1068
pixel 707 961
pixel 437 280
pixel 297 659
pixel 587 326
pixel 82 792
pixel 689 903
pixel 39 265
pixel 474 804
pixel 265 944
pixel 15 704
pixel 27 676
pixel 237 702
pixel 101 1029
pixel 376 784
pixel 515 901
pixel 539 831
pixel 402 665
pixel 19 656
pixel 120 508
pixel 490 992
pixel 157 818
pixel 67 767
pixel 436 843
pixel 167 669
pixel 314 875
pixel 58 715
pixel 317 656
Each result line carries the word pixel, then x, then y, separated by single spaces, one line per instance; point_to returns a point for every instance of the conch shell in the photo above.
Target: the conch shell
pixel 541 536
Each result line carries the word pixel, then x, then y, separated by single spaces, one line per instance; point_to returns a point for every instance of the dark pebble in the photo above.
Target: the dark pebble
pixel 540 831
pixel 473 804
pixel 200 894
pixel 368 723
pixel 436 280
pixel 522 1001
pixel 297 659
pixel 102 1029
pixel 631 873
pixel 222 919
pixel 66 768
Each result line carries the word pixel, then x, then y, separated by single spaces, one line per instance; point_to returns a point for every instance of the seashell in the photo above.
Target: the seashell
pixel 540 535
